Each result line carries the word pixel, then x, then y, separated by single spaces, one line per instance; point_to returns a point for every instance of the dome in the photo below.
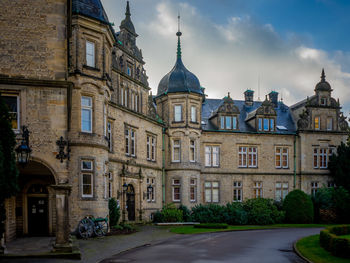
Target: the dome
pixel 323 85
pixel 179 79
pixel 127 23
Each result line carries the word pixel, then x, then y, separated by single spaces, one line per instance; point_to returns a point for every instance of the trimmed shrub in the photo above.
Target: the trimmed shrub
pixel 234 214
pixel 337 245
pixel 326 239
pixel 171 214
pixel 211 226
pixel 210 213
pixel 262 211
pixel 298 208
pixel 158 217
pixel 186 213
pixel 114 212
pixel 340 230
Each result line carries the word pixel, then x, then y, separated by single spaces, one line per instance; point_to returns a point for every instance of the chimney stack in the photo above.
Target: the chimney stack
pixel 249 97
pixel 273 96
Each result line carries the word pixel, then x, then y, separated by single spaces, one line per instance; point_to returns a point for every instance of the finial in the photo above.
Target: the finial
pixel 323 76
pixel 228 94
pixel 178 38
pixel 127 12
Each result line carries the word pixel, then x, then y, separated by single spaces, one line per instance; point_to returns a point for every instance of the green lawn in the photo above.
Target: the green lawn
pixel 192 230
pixel 310 248
pixel 346 236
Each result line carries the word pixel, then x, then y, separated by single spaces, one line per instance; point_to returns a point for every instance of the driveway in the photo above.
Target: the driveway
pixel 256 246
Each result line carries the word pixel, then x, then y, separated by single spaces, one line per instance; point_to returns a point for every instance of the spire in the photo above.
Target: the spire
pixel 323 76
pixel 127 12
pixel 178 38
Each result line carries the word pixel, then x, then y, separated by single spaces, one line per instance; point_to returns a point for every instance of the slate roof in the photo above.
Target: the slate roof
pixel 284 116
pixel 90 8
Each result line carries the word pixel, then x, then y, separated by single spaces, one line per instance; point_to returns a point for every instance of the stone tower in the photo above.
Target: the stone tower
pixel 179 103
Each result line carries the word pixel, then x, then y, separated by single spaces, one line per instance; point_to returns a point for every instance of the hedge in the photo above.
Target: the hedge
pixel 335 244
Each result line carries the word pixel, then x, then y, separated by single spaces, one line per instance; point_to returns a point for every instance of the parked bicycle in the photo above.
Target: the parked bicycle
pixel 90 226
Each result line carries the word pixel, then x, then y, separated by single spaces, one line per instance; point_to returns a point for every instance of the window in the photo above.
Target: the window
pixel 108 181
pixel 193 114
pixel 281 191
pixel 86 114
pixel 222 122
pixel 321 157
pixel 126 97
pixel 193 190
pixel 86 178
pixel 192 151
pixel 237 191
pixel 178 113
pixel 266 124
pixel 12 102
pixel 234 123
pixel 281 157
pixel 314 188
pixel 258 189
pixel 104 120
pixel 212 156
pixel 130 142
pixel 136 102
pixel 121 96
pixel 176 151
pixel 329 124
pixel 323 101
pixel 109 136
pixel 330 184
pixel 211 192
pixel 260 124
pixel 228 122
pixel 150 193
pixel 176 190
pixel 151 148
pixel 247 157
pixel 272 124
pixel 317 123
pixel 132 101
pixel 128 70
pixel 90 54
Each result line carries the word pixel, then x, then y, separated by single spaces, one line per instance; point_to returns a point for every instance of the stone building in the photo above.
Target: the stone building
pixel 81 90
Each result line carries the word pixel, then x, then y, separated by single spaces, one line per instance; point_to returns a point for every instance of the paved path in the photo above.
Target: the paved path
pixel 257 246
pixel 95 249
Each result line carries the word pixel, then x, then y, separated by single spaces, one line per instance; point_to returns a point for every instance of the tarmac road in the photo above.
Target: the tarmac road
pixel 256 246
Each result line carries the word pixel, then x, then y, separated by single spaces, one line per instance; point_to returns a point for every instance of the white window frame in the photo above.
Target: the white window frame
pixel 90 56
pixel 193 186
pixel 222 122
pixel 280 152
pixel 151 148
pixel 329 124
pixel 109 136
pixel 258 189
pixel 192 151
pixel 130 141
pixel 246 156
pixel 88 108
pixel 87 172
pixel 176 146
pixel 209 190
pixel 193 114
pixel 234 123
pixel 151 197
pixel 237 191
pixel 212 154
pixel 177 113
pixel 260 124
pixel 176 185
pixel 87 169
pixel 104 119
pixel 281 190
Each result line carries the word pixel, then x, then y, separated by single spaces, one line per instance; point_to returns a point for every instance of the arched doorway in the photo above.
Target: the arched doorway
pixel 130 202
pixel 37 205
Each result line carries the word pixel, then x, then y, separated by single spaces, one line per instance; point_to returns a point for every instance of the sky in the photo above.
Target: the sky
pixel 234 45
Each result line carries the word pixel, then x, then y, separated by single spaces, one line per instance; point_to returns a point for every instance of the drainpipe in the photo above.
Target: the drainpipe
pixel 295 162
pixel 163 166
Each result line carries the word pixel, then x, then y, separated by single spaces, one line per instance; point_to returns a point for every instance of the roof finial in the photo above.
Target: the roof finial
pixel 323 76
pixel 127 12
pixel 178 37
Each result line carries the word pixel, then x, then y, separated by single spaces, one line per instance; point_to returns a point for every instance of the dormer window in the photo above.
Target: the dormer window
pixel 317 123
pixel 323 101
pixel 266 124
pixel 260 124
pixel 228 122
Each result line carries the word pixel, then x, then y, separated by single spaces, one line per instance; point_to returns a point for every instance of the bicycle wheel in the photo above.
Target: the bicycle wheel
pixel 85 228
pixel 101 228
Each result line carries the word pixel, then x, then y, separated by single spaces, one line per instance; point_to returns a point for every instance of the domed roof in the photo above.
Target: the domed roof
pixel 179 79
pixel 323 85
pixel 90 8
pixel 127 23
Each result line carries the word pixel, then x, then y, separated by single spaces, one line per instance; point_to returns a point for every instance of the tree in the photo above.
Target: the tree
pixel 8 168
pixel 298 207
pixel 339 166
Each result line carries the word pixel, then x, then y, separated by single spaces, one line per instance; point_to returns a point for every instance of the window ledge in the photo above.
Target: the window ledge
pixel 174 122
pixel 91 68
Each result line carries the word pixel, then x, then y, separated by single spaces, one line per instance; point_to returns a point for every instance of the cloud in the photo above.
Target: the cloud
pixel 232 56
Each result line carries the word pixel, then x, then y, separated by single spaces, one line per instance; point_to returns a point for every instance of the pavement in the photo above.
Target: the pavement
pixel 93 250
pixel 262 246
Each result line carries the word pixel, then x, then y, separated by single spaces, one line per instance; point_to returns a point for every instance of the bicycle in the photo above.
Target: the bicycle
pixel 90 225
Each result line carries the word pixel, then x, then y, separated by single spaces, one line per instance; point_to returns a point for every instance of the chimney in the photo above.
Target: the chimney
pixel 249 97
pixel 273 96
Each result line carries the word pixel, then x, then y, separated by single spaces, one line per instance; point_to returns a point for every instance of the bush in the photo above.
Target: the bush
pixel 114 212
pixel 158 217
pixel 337 245
pixel 298 208
pixel 262 211
pixel 211 226
pixel 186 213
pixel 170 213
pixel 210 213
pixel 234 214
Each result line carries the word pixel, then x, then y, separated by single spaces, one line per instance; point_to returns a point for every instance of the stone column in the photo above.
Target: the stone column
pixel 63 242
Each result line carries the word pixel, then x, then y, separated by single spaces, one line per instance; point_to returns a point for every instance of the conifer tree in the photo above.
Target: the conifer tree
pixel 339 166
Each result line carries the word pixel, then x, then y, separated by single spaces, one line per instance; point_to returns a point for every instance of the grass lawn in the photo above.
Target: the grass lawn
pixel 192 230
pixel 310 248
pixel 346 236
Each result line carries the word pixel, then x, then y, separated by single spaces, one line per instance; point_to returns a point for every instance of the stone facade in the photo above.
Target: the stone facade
pixel 74 77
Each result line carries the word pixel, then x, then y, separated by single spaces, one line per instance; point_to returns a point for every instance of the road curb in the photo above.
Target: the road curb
pixel 126 250
pixel 298 253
